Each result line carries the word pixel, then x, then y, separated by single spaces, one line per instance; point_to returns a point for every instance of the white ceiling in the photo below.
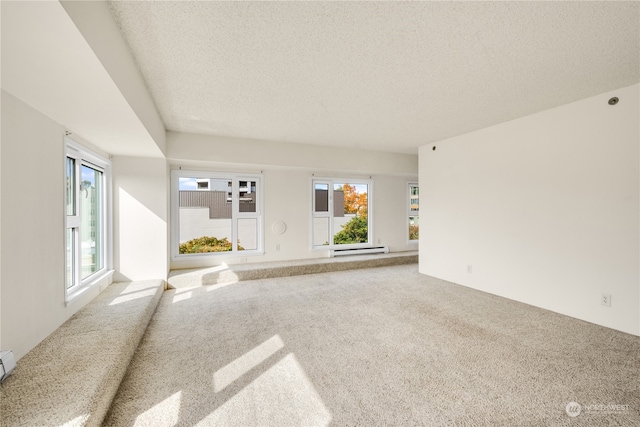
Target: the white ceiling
pixel 387 76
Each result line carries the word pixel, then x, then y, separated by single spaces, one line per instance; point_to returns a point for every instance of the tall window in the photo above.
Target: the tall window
pixel 86 217
pixel 414 211
pixel 216 213
pixel 341 214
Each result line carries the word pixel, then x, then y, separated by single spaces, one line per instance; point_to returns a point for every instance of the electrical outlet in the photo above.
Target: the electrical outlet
pixel 469 268
pixel 606 300
pixel 278 247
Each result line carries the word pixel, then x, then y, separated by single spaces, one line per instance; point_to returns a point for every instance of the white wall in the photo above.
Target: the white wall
pixel 268 154
pixel 140 198
pixel 288 170
pixel 288 199
pixel 85 93
pixel 32 244
pixel 392 221
pixel 1 191
pixel 545 209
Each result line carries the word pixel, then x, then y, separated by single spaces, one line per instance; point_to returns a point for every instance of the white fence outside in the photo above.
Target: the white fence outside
pixel 195 223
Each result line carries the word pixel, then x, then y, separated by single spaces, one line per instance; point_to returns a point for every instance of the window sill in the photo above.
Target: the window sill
pixel 226 255
pixel 98 279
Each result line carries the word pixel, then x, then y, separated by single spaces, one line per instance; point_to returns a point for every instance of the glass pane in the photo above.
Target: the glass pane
pixel 247 196
pixel 247 234
pixel 414 227
pixel 91 221
pixel 350 213
pixel 320 231
pixel 71 186
pixel 205 215
pixel 70 258
pixel 321 197
pixel 414 199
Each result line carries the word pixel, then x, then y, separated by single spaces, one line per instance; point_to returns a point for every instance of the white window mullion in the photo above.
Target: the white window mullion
pixel 330 213
pixel 104 220
pixel 321 217
pixel 77 273
pixel 235 207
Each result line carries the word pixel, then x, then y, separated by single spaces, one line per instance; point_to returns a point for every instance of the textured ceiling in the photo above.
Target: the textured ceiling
pixel 387 76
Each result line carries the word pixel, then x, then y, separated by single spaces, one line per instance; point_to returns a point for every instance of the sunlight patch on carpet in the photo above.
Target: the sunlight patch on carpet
pixel 243 364
pixel 168 411
pixel 181 297
pixel 282 395
pixel 210 288
pixel 77 421
pixel 149 292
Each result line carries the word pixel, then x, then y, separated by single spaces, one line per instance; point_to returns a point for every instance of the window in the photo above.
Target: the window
pixel 414 211
pixel 216 213
pixel 341 215
pixel 86 200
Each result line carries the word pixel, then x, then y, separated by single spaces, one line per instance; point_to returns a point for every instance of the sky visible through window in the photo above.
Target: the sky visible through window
pixel 88 175
pixel 187 184
pixel 360 188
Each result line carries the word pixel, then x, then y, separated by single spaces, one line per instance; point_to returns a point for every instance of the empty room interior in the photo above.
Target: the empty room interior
pixel 319 213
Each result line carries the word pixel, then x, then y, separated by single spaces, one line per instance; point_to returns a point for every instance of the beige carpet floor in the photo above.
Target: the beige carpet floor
pixel 70 378
pixel 381 346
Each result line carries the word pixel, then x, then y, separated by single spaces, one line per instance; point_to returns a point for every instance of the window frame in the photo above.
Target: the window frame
pixel 82 156
pixel 330 213
pixel 235 177
pixel 412 213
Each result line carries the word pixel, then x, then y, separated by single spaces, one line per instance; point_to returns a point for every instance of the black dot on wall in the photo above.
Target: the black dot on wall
pixel 434 148
pixel 613 101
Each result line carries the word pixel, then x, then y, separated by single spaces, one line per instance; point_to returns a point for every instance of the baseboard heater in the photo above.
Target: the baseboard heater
pixel 360 251
pixel 7 364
